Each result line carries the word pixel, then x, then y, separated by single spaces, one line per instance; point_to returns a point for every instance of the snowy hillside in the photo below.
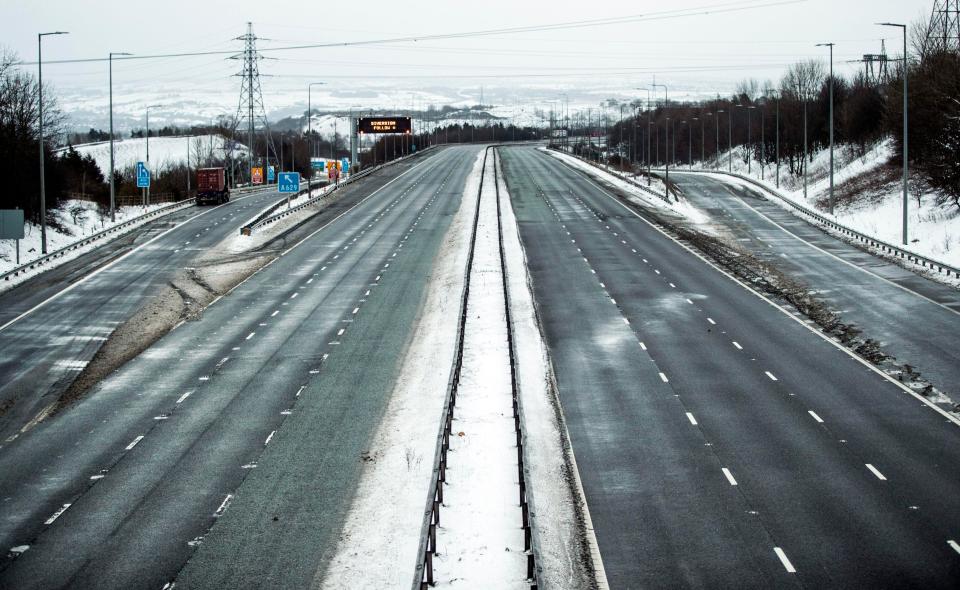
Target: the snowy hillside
pixel 164 151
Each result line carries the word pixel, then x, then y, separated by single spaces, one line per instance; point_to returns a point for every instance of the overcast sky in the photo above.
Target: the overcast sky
pixel 684 48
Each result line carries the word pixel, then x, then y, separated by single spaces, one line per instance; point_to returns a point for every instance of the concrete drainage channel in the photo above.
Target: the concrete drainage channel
pixel 484 373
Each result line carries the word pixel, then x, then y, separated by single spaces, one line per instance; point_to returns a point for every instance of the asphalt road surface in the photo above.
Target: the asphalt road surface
pixel 119 491
pixel 914 319
pixel 721 442
pixel 54 324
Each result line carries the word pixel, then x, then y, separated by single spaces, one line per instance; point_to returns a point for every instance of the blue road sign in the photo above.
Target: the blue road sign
pixel 143 176
pixel 345 163
pixel 271 173
pixel 289 182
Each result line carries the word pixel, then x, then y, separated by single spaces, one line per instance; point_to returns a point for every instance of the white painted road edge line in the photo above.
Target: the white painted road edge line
pixel 783 559
pixel 729 476
pixel 134 443
pixel 876 472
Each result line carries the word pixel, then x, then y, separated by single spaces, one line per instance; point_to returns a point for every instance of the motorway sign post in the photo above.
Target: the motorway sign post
pixel 143 175
pixel 289 182
pixel 11 227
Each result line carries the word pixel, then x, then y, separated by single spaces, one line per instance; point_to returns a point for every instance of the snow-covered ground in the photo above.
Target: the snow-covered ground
pixel 637 195
pixel 380 552
pixel 164 151
pixel 480 538
pixel 78 219
pixel 934 230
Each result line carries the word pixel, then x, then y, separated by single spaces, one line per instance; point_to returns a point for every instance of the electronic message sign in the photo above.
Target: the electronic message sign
pixel 383 125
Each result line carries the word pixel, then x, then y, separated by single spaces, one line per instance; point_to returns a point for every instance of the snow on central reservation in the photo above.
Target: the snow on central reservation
pixel 480 538
pixel 165 152
pixel 934 230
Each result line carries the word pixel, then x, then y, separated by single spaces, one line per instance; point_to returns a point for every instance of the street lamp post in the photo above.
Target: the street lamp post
pixel 719 112
pixel 830 45
pixel 703 138
pixel 310 134
pixel 778 141
pixel 749 136
pixel 666 101
pixel 906 171
pixel 43 178
pixel 147 190
pixel 113 196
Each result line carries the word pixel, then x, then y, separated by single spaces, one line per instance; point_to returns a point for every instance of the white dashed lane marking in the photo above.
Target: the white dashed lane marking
pixel 691 419
pixel 130 446
pixel 815 416
pixel 729 476
pixel 783 559
pixel 771 376
pixel 876 472
pixel 57 514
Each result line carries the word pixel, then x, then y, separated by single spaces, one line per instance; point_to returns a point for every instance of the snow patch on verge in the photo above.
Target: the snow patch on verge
pixel 381 533
pixel 559 515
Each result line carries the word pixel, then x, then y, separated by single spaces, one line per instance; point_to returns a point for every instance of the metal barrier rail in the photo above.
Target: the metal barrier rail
pixel 39 262
pixel 867 240
pixel 270 216
pixel 423 576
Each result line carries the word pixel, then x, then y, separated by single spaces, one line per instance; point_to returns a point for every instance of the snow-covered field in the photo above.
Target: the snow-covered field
pixel 164 151
pixel 78 219
pixel 934 230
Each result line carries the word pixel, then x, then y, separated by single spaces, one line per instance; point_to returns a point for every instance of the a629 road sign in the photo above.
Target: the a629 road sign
pixel 289 182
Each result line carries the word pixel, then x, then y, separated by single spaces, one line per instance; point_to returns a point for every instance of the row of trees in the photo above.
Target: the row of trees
pixel 797 110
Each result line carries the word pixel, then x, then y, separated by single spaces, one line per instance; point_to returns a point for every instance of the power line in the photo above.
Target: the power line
pixel 726 8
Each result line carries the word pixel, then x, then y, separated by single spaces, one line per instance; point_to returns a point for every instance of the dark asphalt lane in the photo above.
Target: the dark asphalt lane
pixel 916 320
pixel 208 398
pixel 713 430
pixel 42 351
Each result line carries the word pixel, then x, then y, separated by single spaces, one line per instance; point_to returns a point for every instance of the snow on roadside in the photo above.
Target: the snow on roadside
pixel 164 151
pixel 480 539
pixel 637 195
pixel 381 552
pixel 80 219
pixel 551 472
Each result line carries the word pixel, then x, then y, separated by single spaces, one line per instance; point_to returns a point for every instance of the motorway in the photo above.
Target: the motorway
pixel 118 491
pixel 914 319
pixel 50 327
pixel 720 441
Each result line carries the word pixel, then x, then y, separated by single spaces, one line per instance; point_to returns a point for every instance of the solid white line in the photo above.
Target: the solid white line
pixel 771 375
pixel 783 559
pixel 876 472
pixel 184 397
pixel 134 443
pixel 729 476
pixel 815 416
pixel 664 378
pixel 266 442
pixel 57 514
pixel 691 419
pixel 250 335
pixel 953 545
pixel 737 344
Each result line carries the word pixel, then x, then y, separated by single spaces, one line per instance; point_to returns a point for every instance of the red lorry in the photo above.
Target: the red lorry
pixel 212 186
